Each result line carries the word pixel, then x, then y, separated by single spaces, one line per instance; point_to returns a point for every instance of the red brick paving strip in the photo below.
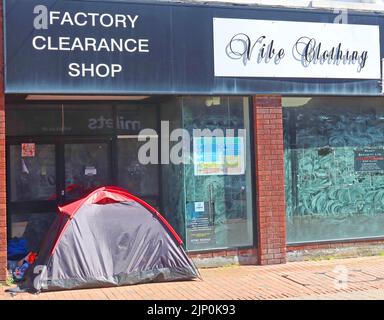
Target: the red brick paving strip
pixel 298 280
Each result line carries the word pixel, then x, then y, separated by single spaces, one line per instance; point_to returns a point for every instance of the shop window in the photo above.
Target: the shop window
pixel 59 119
pixel 132 118
pixel 209 199
pixel 86 168
pixel 32 172
pixel 138 179
pixel 172 174
pixel 31 119
pixel 334 168
pixel 77 119
pixel 88 119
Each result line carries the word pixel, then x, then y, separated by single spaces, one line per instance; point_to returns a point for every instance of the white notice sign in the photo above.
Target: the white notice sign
pixel 90 171
pixel 199 207
pixel 261 48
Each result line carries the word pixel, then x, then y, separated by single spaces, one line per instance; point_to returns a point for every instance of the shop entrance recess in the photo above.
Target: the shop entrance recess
pixel 45 172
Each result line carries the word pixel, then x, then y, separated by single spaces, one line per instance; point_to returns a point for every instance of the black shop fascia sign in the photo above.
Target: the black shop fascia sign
pixel 122 48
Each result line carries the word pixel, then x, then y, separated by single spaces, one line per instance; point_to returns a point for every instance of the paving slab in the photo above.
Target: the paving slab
pixel 339 279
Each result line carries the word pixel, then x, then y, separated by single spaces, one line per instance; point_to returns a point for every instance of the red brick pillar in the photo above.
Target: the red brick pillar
pixel 269 155
pixel 3 199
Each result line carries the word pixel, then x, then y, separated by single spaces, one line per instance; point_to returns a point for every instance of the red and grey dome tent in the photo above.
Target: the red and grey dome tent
pixel 108 238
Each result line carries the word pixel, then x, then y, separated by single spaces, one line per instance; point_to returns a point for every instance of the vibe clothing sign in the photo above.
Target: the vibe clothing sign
pixel 259 48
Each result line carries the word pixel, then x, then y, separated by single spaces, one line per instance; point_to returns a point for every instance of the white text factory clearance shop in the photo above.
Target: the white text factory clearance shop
pixel 45 18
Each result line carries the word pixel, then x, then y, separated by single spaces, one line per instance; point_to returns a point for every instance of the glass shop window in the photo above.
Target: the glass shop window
pixel 88 119
pixel 58 119
pixel 218 192
pixel 32 119
pixel 32 172
pixel 334 168
pixel 211 195
pixel 139 179
pixel 86 168
pixel 132 118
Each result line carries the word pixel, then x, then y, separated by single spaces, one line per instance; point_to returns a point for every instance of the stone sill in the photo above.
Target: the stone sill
pixel 314 4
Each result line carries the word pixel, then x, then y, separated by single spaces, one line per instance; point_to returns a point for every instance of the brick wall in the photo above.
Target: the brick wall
pixel 221 253
pixel 269 155
pixel 3 228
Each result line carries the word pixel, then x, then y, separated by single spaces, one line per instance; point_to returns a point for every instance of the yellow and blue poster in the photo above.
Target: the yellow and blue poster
pixel 218 156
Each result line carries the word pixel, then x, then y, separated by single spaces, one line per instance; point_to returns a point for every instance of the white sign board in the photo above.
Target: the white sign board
pixel 199 207
pixel 261 48
pixel 90 171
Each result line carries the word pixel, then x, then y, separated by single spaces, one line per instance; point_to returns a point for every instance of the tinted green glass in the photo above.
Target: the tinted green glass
pixel 209 201
pixel 334 178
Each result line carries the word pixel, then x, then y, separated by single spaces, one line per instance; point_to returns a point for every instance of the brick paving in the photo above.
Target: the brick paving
pixel 357 278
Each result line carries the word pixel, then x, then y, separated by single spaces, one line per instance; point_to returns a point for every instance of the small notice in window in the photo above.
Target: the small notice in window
pixel 369 160
pixel 28 150
pixel 200 225
pixel 90 171
pixel 199 206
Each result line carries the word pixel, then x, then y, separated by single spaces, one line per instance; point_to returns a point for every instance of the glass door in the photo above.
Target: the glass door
pixel 32 172
pixel 43 173
pixel 139 179
pixel 32 190
pixel 87 165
